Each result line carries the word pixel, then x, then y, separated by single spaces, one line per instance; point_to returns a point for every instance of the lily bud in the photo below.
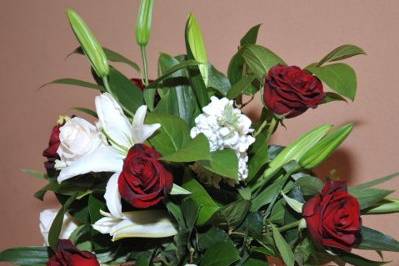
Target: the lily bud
pixel 324 148
pixel 196 46
pixel 89 44
pixel 143 24
pixel 297 149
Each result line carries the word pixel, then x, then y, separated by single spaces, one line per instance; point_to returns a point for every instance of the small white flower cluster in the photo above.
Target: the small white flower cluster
pixel 226 127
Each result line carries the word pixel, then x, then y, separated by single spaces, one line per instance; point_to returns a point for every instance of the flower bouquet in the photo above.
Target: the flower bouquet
pixel 170 171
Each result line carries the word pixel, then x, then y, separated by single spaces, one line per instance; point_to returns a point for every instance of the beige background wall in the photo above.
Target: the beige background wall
pixel 35 38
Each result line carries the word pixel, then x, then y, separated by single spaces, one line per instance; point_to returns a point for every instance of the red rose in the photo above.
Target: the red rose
pixel 144 181
pixel 139 83
pixel 51 152
pixel 68 255
pixel 333 217
pixel 290 91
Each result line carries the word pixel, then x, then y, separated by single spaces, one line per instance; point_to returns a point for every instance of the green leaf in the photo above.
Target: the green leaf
pixel 283 247
pixel 357 260
pixel 341 52
pixel 26 255
pixel 212 236
pixel 223 162
pixel 75 82
pixel 34 173
pixel 268 194
pixel 190 211
pixel 368 197
pixel 178 190
pixel 385 206
pixel 377 181
pixel 333 97
pixel 233 213
pixel 339 77
pixel 237 89
pixel 293 203
pixel 173 134
pixel 86 111
pixel 125 92
pixel 56 226
pixel 113 57
pixel 236 67
pixel 194 150
pixel 218 81
pixel 251 36
pixel 374 240
pixel 95 205
pixel 220 254
pixel 207 206
pixel 260 59
pixel 89 44
pixel 310 185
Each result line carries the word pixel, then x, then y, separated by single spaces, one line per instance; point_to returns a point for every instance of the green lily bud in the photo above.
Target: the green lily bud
pixel 143 24
pixel 324 148
pixel 89 44
pixel 297 149
pixel 196 46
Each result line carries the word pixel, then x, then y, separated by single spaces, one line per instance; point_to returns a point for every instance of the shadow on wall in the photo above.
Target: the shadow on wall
pixel 342 162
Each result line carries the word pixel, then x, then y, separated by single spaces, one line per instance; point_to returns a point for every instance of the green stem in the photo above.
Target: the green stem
pixel 106 84
pixel 143 51
pixel 289 226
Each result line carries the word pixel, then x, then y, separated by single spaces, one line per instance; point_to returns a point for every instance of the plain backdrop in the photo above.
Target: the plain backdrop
pixel 36 38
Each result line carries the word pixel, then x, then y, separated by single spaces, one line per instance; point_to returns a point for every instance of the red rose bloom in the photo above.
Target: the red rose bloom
pixel 290 91
pixel 333 217
pixel 68 255
pixel 144 181
pixel 51 152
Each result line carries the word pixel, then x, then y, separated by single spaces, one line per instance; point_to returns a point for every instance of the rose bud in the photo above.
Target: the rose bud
pixel 68 254
pixel 289 91
pixel 144 181
pixel 333 217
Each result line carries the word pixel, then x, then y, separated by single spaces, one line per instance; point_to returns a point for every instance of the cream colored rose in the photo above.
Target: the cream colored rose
pixel 78 137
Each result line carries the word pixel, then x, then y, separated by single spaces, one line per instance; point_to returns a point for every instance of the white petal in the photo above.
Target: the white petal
pixel 112 196
pixel 46 218
pixel 141 132
pixel 105 224
pixel 146 224
pixel 113 121
pixel 103 159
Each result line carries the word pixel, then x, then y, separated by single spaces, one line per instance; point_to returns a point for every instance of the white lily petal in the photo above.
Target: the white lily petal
pixel 113 197
pixel 146 224
pixel 140 131
pixel 103 159
pixel 47 217
pixel 113 121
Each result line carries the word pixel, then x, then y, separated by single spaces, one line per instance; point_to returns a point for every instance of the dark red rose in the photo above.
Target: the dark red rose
pixel 144 180
pixel 333 217
pixel 68 255
pixel 51 151
pixel 290 91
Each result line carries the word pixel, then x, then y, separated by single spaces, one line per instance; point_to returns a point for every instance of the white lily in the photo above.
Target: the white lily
pixel 122 135
pixel 47 217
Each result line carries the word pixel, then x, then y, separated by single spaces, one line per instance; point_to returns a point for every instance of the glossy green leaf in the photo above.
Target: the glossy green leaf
pixel 386 206
pixel 237 89
pixel 34 173
pixel 260 59
pixel 268 194
pixel 357 260
pixel 233 213
pixel 375 182
pixel 283 247
pixel 207 206
pixel 236 67
pixel 325 147
pixel 375 240
pixel 251 36
pixel 173 134
pixel 368 197
pixel 75 82
pixel 220 254
pixel 212 236
pixel 310 185
pixel 341 52
pixel 26 255
pixel 95 205
pixel 339 77
pixel 293 203
pixel 144 20
pixel 194 150
pixel 333 97
pixel 125 92
pixel 223 163
pixel 218 81
pixel 89 44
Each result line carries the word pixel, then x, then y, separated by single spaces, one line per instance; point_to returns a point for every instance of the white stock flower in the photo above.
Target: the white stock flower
pixel 47 217
pixel 226 127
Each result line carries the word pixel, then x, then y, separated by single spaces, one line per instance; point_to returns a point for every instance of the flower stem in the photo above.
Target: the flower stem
pixel 289 226
pixel 143 51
